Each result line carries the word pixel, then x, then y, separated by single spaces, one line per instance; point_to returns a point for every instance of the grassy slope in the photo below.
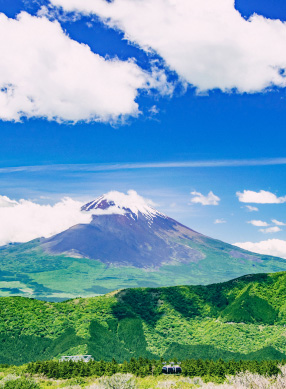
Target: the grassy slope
pixel 26 270
pixel 229 320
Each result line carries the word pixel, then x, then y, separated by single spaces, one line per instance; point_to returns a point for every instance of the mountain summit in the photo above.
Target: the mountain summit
pixel 117 203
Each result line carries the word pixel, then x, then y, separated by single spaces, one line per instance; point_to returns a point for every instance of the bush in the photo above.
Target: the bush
pixel 118 381
pixel 13 382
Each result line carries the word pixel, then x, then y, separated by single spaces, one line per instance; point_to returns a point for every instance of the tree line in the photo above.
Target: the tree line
pixel 142 367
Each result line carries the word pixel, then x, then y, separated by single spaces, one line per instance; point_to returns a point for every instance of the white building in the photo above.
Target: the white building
pixel 76 358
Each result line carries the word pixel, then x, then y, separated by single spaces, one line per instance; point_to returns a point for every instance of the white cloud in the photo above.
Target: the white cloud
pixel 25 220
pixel 270 230
pixel 146 165
pixel 154 110
pixel 262 197
pixel 275 247
pixel 44 73
pixel 53 13
pixel 208 43
pixel 278 223
pixel 109 211
pixel 210 199
pixel 258 223
pixel 250 208
pixel 219 221
pixel 5 202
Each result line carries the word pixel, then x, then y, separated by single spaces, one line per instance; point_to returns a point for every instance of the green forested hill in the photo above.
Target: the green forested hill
pixel 243 319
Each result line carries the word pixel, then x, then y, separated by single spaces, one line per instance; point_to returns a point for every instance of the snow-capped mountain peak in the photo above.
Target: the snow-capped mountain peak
pixel 120 203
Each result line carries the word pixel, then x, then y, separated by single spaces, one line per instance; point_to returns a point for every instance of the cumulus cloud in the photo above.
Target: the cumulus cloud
pixel 275 247
pixel 250 208
pixel 44 73
pixel 210 199
pixel 258 223
pixel 262 197
pixel 5 202
pixel 219 221
pixel 208 43
pixel 24 220
pixel 270 230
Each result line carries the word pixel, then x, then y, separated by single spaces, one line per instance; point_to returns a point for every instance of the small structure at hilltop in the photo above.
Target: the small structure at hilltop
pixel 76 358
pixel 171 368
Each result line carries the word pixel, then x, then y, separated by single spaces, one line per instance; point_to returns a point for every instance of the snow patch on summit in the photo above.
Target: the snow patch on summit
pixel 120 203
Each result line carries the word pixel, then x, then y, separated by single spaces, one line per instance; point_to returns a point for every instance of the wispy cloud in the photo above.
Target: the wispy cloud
pixel 278 223
pixel 250 208
pixel 270 230
pixel 219 221
pixel 258 223
pixel 146 165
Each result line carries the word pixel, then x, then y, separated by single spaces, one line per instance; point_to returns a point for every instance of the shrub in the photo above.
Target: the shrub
pixel 250 380
pixel 118 381
pixel 168 384
pixel 13 382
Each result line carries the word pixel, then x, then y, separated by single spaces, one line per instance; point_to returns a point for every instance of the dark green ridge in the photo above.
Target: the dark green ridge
pixel 240 319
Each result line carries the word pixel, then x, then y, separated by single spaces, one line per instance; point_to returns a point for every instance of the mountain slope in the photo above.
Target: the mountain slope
pixel 242 319
pixel 126 244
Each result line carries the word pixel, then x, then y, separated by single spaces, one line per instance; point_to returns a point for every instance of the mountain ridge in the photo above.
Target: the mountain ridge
pixel 243 318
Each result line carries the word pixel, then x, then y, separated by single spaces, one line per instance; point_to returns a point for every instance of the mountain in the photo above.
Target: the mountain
pixel 240 319
pixel 126 231
pixel 127 243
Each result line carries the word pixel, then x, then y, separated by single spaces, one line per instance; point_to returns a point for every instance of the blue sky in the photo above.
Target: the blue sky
pixel 184 109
